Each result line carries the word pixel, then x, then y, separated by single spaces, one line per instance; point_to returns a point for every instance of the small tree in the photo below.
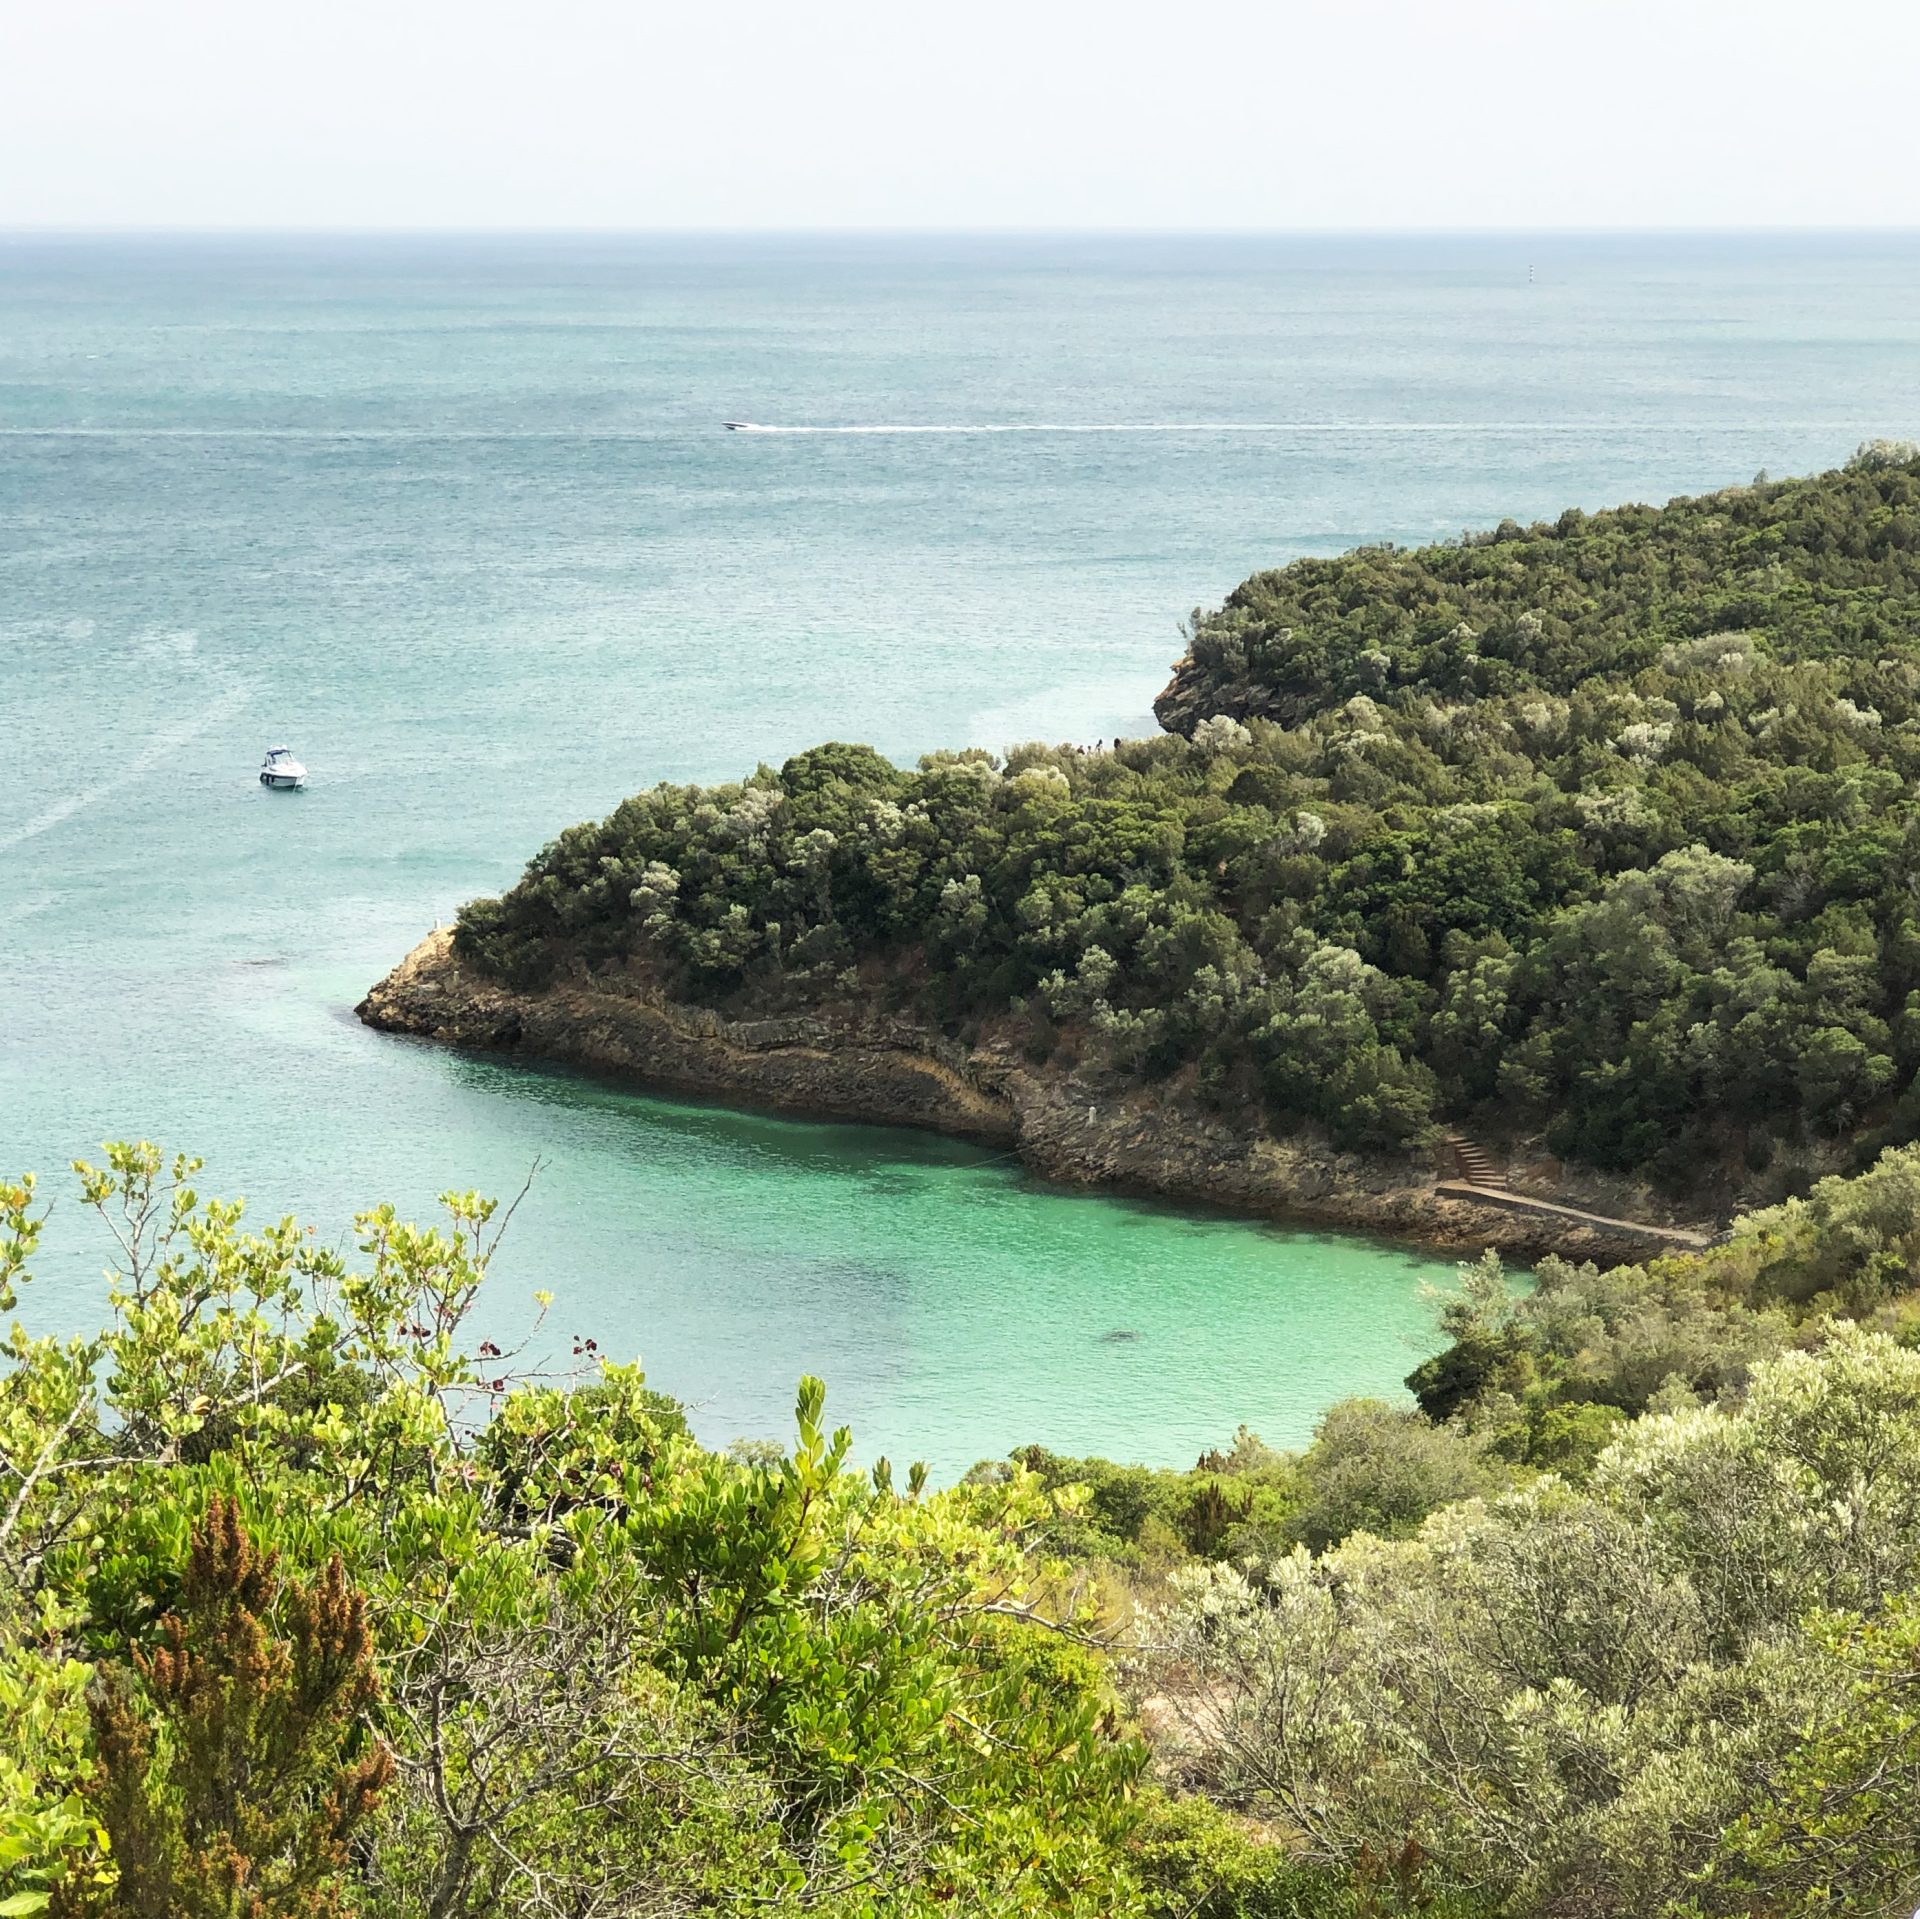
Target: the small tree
pixel 1382 1469
pixel 233 1763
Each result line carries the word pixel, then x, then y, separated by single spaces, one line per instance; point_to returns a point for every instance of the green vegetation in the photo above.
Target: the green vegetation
pixel 1546 1378
pixel 451 1640
pixel 316 1605
pixel 1682 1688
pixel 1601 833
pixel 1372 1467
pixel 310 1604
pixel 1809 569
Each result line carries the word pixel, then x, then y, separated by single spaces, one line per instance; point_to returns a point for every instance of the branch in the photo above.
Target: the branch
pixel 506 1218
pixel 43 1469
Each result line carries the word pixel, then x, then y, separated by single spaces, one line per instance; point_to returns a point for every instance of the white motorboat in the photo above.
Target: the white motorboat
pixel 281 770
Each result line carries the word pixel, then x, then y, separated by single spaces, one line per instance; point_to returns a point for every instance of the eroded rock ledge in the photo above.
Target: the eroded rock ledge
pixel 889 1071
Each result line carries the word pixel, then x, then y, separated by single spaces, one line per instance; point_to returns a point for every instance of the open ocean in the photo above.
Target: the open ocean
pixel 457 520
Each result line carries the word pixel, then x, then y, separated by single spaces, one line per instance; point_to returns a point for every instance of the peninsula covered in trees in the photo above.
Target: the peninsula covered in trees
pixel 316 1604
pixel 1595 837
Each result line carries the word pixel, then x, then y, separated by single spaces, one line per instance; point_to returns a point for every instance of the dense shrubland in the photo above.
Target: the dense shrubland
pixel 1628 1622
pixel 1636 1696
pixel 310 1604
pixel 1602 832
pixel 1372 1467
pixel 1546 1376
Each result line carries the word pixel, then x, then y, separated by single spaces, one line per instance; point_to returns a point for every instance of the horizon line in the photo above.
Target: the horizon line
pixel 347 230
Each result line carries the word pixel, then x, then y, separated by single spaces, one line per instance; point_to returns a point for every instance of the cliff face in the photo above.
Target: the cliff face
pixel 884 1070
pixel 880 1071
pixel 1197 693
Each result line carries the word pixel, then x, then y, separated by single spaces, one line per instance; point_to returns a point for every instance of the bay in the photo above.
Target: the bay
pixel 457 519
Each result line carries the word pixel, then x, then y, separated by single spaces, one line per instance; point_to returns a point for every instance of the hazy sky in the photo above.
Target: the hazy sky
pixel 994 113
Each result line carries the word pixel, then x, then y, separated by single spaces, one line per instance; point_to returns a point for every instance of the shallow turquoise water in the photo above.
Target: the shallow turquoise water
pixel 457 521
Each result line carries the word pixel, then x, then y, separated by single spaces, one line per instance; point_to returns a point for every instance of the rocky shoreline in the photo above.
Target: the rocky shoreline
pixel 884 1070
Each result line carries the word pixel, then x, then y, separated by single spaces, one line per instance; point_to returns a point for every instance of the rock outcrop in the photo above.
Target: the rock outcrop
pixel 1194 694
pixel 879 1070
pixel 868 1066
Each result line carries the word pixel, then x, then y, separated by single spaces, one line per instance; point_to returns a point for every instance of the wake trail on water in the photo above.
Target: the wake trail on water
pixel 907 428
pixel 161 747
pixel 1520 427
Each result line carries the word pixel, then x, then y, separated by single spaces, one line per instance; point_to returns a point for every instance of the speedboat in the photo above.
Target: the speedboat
pixel 280 769
pixel 739 426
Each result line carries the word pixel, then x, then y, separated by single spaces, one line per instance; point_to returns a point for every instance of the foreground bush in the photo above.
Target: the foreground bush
pixel 311 1606
pixel 316 1607
pixel 1681 1688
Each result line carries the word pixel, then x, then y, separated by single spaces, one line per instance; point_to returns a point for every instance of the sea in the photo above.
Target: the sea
pixel 457 519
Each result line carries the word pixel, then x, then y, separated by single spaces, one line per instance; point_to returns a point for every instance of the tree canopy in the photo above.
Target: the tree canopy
pixel 312 1604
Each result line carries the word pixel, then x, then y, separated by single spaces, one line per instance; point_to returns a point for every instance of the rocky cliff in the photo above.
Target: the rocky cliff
pixel 1197 693
pixel 861 1065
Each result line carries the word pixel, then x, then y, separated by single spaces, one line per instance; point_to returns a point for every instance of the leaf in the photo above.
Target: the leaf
pixel 17 1903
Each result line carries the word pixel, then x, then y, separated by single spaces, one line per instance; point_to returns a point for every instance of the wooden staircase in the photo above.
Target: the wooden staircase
pixel 1475 1168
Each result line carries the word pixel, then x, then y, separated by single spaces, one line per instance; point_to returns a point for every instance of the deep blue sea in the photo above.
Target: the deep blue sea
pixel 457 520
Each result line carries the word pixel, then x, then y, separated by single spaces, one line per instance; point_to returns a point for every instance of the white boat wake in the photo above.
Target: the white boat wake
pixel 1291 426
pixel 161 747
pixel 596 435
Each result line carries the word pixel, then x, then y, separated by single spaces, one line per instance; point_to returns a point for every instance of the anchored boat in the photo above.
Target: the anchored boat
pixel 281 770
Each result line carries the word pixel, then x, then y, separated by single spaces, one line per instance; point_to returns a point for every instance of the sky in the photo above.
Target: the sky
pixel 925 114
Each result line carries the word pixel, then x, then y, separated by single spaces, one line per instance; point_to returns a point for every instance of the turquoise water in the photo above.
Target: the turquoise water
pixel 456 519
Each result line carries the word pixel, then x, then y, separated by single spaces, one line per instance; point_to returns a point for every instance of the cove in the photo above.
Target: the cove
pixel 955 1306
